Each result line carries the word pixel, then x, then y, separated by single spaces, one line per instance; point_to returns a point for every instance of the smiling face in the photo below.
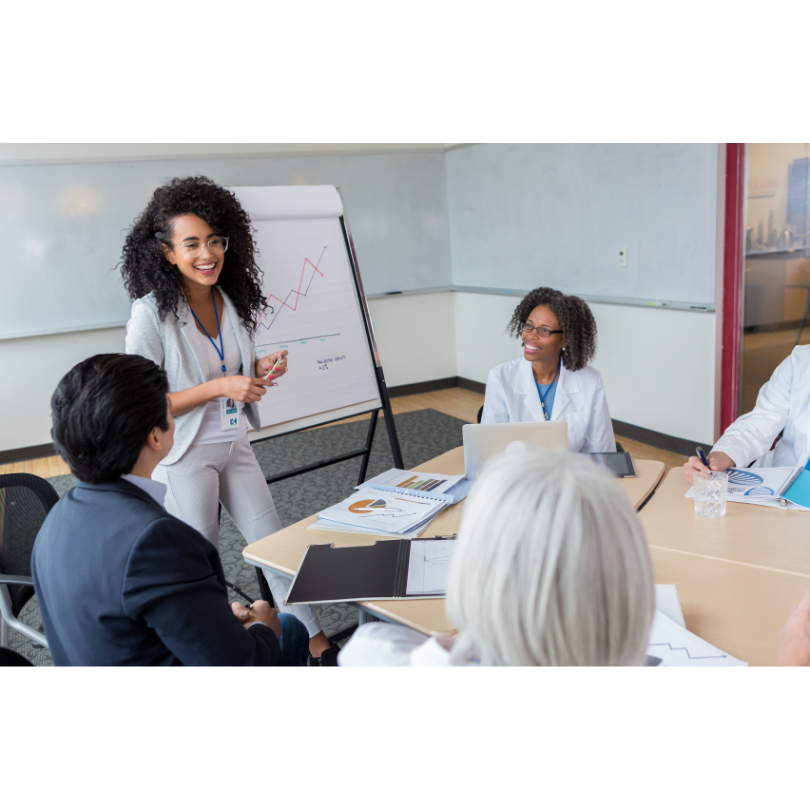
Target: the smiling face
pixel 198 271
pixel 542 348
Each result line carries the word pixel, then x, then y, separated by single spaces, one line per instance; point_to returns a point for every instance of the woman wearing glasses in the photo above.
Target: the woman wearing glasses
pixel 189 268
pixel 553 381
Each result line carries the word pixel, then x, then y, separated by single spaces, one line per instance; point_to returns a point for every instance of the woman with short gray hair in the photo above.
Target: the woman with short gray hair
pixel 551 568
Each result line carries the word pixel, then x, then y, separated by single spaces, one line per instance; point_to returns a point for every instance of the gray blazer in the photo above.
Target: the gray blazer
pixel 176 345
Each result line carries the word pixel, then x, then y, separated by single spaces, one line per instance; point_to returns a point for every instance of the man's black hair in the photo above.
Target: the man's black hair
pixel 103 410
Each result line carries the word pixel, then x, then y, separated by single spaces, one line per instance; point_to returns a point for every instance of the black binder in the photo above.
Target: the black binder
pixel 356 573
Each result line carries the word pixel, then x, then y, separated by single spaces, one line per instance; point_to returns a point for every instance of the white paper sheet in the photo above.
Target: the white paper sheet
pixel 666 600
pixel 677 647
pixel 428 567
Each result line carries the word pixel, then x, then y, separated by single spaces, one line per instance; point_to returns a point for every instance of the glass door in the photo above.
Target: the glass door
pixel 776 314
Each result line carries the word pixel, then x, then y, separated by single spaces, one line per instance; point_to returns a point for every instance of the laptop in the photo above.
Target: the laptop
pixel 483 442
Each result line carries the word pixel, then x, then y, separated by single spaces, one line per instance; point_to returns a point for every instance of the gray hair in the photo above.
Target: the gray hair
pixel 551 567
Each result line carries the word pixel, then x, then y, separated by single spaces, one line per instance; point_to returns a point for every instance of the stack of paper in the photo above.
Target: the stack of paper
pixel 376 511
pixel 450 488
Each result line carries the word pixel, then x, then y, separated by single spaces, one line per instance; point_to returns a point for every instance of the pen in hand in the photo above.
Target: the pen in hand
pixel 699 451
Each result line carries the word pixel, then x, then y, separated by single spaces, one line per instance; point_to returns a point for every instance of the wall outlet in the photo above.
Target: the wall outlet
pixel 622 257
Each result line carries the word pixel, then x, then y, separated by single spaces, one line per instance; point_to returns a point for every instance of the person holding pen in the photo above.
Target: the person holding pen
pixel 783 408
pixel 189 268
pixel 553 381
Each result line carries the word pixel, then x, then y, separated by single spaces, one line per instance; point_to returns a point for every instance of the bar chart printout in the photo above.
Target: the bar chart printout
pixel 415 482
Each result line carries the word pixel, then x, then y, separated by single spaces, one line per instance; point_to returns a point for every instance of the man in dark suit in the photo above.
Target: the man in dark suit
pixel 119 581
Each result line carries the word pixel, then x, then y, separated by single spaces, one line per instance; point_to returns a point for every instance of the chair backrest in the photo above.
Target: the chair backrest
pixel 25 501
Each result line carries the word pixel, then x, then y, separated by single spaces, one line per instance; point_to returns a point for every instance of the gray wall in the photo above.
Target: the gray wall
pixel 64 227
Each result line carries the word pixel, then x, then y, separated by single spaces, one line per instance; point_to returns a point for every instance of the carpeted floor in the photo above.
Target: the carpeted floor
pixel 422 435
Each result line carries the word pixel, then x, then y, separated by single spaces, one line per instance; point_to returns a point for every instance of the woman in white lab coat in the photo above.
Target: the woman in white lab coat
pixel 553 381
pixel 783 404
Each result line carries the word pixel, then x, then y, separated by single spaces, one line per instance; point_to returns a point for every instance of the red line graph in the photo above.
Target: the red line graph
pixel 297 293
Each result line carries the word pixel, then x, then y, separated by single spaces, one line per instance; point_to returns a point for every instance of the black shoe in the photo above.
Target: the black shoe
pixel 328 657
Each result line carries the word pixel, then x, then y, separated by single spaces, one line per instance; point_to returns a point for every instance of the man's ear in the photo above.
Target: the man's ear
pixel 153 440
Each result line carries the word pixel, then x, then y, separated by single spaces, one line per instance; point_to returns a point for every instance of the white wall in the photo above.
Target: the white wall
pixel 415 336
pixel 409 330
pixel 658 365
pixel 11 153
pixel 31 370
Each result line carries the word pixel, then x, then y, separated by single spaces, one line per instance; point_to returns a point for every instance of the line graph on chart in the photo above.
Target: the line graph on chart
pixel 312 312
pixel 271 314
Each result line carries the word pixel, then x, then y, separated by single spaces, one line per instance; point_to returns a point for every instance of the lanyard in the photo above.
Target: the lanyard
pixel 221 348
pixel 542 397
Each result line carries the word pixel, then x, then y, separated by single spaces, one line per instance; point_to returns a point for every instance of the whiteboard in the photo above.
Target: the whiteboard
pixel 555 215
pixel 313 309
pixel 63 227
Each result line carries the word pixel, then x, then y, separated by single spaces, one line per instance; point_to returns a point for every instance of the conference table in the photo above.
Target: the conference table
pixel 738 577
pixel 284 550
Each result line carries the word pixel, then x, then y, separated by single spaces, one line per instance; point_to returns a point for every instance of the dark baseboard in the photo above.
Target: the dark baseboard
pixel 471 385
pixel 423 387
pixel 662 441
pixel 437 385
pixel 27 453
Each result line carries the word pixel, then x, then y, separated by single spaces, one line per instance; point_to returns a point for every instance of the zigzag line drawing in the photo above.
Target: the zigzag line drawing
pixel 297 293
pixel 691 657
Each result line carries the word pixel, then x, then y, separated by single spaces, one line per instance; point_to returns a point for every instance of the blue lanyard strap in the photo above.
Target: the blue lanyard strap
pixel 221 348
pixel 542 397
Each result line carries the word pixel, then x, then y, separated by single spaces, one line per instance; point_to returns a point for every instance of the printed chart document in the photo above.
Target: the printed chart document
pixel 428 566
pixel 396 513
pixel 677 647
pixel 768 486
pixel 451 488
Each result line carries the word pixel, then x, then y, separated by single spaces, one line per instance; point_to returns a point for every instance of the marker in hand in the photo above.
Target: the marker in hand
pixel 273 370
pixel 699 451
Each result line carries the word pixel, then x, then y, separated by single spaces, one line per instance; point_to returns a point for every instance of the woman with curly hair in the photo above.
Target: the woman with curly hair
pixel 553 381
pixel 189 268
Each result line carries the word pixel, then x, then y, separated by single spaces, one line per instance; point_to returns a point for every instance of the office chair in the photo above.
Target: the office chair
pixel 25 501
pixel 9 658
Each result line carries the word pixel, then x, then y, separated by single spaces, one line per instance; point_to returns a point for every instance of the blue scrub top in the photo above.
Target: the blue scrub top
pixel 549 392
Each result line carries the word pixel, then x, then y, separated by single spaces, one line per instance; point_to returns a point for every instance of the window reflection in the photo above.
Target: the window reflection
pixel 777 260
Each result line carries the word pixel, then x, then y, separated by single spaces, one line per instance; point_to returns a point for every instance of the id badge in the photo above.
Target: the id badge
pixel 228 414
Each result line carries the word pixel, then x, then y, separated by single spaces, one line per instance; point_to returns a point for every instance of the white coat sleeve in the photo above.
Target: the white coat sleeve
pixel 599 437
pixel 752 435
pixel 143 334
pixel 496 408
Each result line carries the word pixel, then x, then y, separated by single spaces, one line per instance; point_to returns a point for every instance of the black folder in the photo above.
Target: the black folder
pixel 355 573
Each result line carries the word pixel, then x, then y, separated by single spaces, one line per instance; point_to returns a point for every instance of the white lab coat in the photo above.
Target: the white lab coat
pixel 580 401
pixel 783 403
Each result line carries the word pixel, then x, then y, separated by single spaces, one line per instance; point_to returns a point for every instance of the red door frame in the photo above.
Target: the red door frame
pixel 733 264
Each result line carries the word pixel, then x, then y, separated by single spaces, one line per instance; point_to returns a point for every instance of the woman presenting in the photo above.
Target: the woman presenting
pixel 189 267
pixel 553 381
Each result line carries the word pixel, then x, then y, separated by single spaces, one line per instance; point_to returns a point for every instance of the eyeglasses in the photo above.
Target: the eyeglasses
pixel 540 331
pixel 216 247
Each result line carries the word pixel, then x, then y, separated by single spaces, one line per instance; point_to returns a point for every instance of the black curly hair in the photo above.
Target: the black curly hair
pixel 576 321
pixel 146 269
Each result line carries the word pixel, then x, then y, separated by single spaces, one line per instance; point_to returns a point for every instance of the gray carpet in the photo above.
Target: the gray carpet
pixel 422 435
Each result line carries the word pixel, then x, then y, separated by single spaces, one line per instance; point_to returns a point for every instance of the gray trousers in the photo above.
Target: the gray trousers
pixel 228 473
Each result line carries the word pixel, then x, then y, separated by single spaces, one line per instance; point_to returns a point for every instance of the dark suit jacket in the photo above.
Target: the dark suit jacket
pixel 119 581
